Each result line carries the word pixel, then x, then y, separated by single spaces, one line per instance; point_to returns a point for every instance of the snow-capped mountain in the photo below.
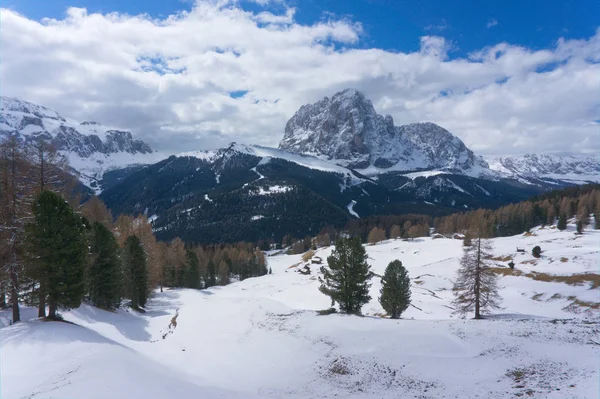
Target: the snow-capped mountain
pixel 346 129
pixel 567 168
pixel 90 147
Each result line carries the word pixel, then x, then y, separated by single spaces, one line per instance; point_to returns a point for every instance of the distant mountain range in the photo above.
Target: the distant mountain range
pixel 338 160
pixel 90 147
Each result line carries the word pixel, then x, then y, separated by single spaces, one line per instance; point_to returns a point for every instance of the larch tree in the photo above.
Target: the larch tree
pixel 395 232
pixel 136 273
pixel 346 279
pixel 15 211
pixel 395 289
pixel 376 235
pixel 476 285
pixel 57 240
pixel 96 211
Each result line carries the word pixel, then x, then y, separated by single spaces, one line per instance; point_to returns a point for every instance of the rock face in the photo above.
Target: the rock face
pixel 29 121
pixel 90 147
pixel 346 129
pixel 576 168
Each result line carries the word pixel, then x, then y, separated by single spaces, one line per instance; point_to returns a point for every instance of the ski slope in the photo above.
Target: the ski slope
pixel 261 338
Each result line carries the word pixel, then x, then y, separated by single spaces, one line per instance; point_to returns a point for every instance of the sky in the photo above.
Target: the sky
pixel 507 77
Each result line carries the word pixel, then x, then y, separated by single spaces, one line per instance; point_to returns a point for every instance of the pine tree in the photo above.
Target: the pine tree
pixel 579 225
pixel 562 222
pixel 476 286
pixel 193 269
pixel 211 278
pixel 56 239
pixel 395 289
pixel 346 280
pixel 137 275
pixel 105 274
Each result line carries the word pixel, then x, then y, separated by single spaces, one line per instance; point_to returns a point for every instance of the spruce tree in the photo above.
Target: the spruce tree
pixel 395 289
pixel 193 270
pixel 476 286
pixel 211 278
pixel 346 280
pixel 562 222
pixel 105 274
pixel 137 276
pixel 56 241
pixel 579 225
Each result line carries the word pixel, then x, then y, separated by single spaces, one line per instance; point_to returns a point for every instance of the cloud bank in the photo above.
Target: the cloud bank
pixel 218 73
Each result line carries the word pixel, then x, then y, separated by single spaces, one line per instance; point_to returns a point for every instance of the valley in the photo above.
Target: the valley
pixel 262 337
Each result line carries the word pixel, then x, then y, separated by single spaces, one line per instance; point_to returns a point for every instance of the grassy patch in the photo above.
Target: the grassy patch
pixel 326 312
pixel 418 282
pixel 574 279
pixel 528 234
pixel 563 259
pixel 537 297
pixel 502 258
pixel 555 297
pixel 308 255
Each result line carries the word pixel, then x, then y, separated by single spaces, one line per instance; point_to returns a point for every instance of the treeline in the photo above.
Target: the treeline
pixel 55 253
pixel 551 208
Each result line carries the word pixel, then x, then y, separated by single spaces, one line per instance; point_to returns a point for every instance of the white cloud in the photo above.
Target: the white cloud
pixel 169 80
pixel 491 23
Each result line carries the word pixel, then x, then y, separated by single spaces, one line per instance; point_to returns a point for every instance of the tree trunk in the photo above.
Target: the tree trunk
pixel 51 308
pixel 478 281
pixel 2 295
pixel 14 291
pixel 42 301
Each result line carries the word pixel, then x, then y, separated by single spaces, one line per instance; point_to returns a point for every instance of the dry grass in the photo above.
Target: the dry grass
pixel 586 304
pixel 529 262
pixel 529 234
pixel 574 279
pixel 295 265
pixel 418 282
pixel 537 297
pixel 308 255
pixel 563 259
pixel 502 258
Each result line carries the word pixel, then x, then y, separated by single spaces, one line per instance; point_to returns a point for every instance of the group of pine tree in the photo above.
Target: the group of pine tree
pixel 56 253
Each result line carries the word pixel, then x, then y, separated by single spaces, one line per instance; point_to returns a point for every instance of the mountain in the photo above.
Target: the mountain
pixel 90 147
pixel 346 130
pixel 576 169
pixel 249 193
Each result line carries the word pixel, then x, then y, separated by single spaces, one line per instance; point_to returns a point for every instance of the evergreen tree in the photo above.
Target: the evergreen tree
pixel 137 276
pixel 211 278
pixel 56 239
pixel 193 269
pixel 476 286
pixel 579 225
pixel 395 289
pixel 346 280
pixel 597 220
pixel 105 275
pixel 562 222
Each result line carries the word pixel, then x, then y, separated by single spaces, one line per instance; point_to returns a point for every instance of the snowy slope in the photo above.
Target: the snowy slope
pixel 576 168
pixel 90 147
pixel 262 338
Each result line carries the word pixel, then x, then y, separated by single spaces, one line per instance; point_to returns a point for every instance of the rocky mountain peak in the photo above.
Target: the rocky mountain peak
pixel 347 130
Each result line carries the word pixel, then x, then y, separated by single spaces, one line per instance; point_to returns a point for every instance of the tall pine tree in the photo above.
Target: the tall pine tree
pixel 395 289
pixel 57 241
pixel 193 270
pixel 562 222
pixel 346 280
pixel 136 273
pixel 105 274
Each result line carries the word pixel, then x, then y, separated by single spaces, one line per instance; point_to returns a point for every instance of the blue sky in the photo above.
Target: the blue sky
pixel 392 25
pixel 506 77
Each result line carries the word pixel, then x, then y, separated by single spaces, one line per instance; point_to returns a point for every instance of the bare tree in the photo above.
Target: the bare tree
pixel 15 202
pixel 476 286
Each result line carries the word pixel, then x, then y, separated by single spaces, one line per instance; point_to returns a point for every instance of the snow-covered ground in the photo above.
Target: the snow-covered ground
pixel 262 337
